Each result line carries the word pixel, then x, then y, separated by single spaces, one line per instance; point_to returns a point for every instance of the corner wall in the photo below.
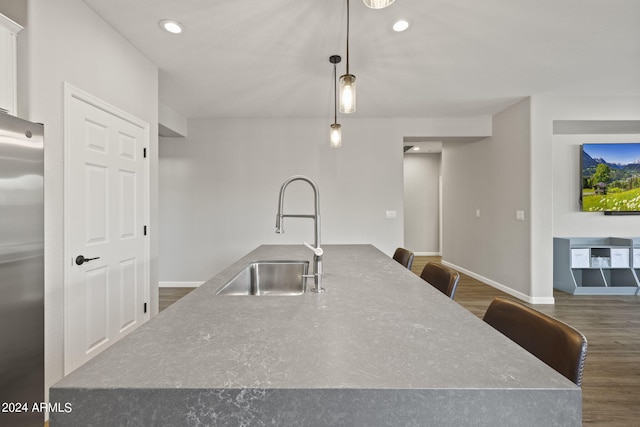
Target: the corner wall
pixel 492 177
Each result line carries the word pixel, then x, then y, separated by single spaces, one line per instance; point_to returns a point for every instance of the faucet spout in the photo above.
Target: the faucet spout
pixel 316 213
pixel 317 250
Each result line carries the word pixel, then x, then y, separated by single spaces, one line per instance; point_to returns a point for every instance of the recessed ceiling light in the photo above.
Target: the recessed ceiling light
pixel 171 26
pixel 400 25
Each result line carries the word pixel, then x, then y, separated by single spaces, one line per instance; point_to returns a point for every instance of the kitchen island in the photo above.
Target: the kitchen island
pixel 379 348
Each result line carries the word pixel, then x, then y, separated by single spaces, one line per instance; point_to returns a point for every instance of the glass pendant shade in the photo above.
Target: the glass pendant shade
pixel 378 4
pixel 348 93
pixel 336 135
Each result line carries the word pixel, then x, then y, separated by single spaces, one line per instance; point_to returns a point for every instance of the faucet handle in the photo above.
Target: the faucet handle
pixel 317 251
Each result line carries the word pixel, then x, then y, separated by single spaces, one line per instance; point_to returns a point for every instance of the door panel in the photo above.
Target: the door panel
pixel 128 224
pixel 96 136
pixel 96 319
pixel 127 146
pixel 105 214
pixel 96 204
pixel 127 293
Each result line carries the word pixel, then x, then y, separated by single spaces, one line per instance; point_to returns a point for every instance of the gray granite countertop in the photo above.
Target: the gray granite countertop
pixel 379 347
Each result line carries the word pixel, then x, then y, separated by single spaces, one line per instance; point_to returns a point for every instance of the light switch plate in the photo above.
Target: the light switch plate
pixel 391 214
pixel 520 215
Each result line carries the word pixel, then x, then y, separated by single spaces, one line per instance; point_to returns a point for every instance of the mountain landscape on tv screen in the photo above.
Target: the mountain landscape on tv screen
pixel 611 177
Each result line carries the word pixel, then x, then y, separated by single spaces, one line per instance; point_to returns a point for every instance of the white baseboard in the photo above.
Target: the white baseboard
pixel 179 284
pixel 427 254
pixel 503 288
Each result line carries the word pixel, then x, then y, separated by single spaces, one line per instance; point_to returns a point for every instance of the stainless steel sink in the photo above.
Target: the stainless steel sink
pixel 268 278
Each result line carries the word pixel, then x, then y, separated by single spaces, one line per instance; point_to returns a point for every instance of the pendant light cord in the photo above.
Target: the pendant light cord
pixel 335 95
pixel 347 36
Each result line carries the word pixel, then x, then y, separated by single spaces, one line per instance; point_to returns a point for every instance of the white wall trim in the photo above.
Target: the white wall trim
pixel 179 284
pixel 12 26
pixel 517 294
pixel 427 253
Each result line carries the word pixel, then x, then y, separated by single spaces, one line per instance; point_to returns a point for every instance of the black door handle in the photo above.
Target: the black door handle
pixel 81 259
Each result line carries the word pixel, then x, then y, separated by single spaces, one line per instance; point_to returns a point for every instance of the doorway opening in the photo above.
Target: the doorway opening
pixel 422 165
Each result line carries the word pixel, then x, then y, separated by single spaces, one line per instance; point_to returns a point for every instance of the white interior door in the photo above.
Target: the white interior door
pixel 106 250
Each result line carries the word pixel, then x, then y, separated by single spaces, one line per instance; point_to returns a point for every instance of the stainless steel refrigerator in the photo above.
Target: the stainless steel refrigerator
pixel 21 272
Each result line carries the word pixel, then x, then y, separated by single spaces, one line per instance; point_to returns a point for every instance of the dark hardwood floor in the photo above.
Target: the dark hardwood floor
pixel 611 381
pixel 167 296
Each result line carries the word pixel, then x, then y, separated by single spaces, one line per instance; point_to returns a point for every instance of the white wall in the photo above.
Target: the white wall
pixel 551 217
pixel 65 41
pixel 421 203
pixel 219 187
pixel 492 176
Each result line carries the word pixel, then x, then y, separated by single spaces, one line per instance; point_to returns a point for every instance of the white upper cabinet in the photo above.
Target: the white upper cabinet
pixel 8 65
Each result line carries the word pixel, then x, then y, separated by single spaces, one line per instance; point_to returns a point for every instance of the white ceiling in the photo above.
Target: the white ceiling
pixel 252 58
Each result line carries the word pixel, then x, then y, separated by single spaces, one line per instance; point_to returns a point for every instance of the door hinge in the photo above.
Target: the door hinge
pixel 145 307
pixel 144 230
pixel 144 152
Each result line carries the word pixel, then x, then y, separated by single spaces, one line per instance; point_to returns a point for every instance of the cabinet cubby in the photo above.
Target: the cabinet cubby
pixel 596 266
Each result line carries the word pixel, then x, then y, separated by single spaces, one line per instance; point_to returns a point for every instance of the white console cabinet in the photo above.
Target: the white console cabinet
pixel 8 65
pixel 596 266
pixel 635 259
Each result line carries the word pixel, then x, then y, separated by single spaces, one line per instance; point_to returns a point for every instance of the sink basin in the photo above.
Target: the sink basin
pixel 268 278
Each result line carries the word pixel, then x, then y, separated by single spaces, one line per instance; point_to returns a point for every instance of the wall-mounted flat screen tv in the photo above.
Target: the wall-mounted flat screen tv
pixel 611 177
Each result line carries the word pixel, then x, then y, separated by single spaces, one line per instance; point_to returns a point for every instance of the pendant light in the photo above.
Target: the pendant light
pixel 378 4
pixel 335 136
pixel 347 82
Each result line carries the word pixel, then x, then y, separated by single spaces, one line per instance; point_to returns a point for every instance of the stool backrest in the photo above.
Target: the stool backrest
pixel 554 342
pixel 404 257
pixel 442 278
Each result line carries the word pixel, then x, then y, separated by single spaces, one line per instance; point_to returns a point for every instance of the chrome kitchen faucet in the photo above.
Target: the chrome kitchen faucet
pixel 317 250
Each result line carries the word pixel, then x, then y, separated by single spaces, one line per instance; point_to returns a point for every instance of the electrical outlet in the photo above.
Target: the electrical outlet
pixel 520 215
pixel 391 214
pixel 477 213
